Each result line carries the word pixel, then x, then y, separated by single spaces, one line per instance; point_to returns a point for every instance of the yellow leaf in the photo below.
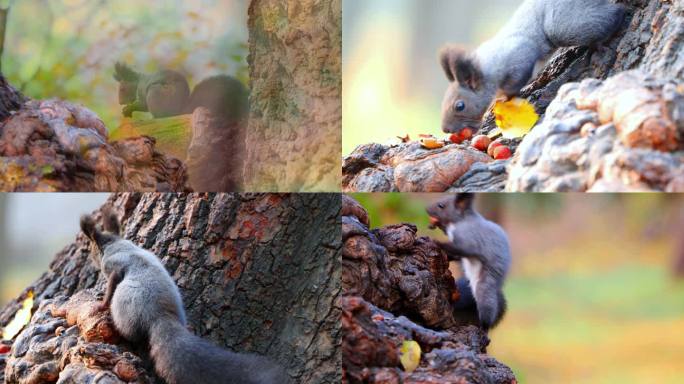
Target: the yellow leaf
pixel 22 318
pixel 515 117
pixel 409 355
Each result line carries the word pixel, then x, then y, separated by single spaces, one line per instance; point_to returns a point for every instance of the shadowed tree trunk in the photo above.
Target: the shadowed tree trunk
pixel 257 273
pixel 10 98
pixel 678 265
pixel 4 11
pixel 294 137
pixel 3 238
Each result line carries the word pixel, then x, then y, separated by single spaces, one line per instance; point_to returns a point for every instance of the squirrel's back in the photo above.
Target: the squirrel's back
pixel 146 294
pixel 479 236
pixel 538 27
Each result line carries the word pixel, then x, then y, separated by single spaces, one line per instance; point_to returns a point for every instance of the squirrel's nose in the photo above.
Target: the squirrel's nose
pixel 451 127
pixel 446 128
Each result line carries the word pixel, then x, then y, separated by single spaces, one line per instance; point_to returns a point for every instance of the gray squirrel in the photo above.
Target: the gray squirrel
pixel 166 93
pixel 502 66
pixel 146 306
pixel 483 249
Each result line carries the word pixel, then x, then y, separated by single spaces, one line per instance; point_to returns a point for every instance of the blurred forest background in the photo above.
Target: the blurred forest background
pixel 596 292
pixel 393 83
pixel 33 228
pixel 67 48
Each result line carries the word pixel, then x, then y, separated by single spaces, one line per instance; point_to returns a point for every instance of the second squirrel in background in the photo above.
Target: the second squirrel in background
pixel 482 248
pixel 146 306
pixel 503 65
pixel 166 93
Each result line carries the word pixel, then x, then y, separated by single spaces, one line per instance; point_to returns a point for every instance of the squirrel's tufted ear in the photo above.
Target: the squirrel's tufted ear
pixel 88 226
pixel 123 72
pixel 111 221
pixel 464 201
pixel 460 66
pixel 445 61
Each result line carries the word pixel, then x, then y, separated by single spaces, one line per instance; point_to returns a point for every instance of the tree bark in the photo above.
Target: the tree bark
pixel 258 273
pixel 4 12
pixel 294 135
pixel 678 264
pixel 10 98
pixel 398 287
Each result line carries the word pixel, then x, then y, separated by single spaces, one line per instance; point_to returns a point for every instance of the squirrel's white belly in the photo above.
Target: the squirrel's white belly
pixel 471 269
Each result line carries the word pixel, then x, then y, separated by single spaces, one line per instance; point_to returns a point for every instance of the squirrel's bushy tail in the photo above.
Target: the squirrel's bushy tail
pixel 181 358
pixel 503 307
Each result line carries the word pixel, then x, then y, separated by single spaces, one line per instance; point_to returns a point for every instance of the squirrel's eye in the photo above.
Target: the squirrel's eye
pixel 459 106
pixel 440 206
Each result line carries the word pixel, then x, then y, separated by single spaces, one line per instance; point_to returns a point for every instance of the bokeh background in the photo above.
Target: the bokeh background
pixel 596 293
pixel 67 48
pixel 393 83
pixel 33 228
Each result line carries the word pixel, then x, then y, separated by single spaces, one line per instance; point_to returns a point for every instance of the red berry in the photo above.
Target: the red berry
pixel 466 133
pixel 456 138
pixel 502 152
pixel 494 145
pixel 4 349
pixel 481 142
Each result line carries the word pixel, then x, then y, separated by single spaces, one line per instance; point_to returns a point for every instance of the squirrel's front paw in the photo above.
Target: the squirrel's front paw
pixel 442 245
pixel 127 111
pixel 502 97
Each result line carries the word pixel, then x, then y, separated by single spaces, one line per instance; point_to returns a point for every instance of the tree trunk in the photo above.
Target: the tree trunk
pixel 258 273
pixel 3 240
pixel 4 12
pixel 294 135
pixel 678 265
pixel 398 287
pixel 10 98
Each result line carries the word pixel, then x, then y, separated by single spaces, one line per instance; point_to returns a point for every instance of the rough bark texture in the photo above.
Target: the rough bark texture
pixel 294 136
pixel 257 273
pixel 622 134
pixel 54 145
pixel 408 167
pixel 635 123
pixel 70 341
pixel 398 287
